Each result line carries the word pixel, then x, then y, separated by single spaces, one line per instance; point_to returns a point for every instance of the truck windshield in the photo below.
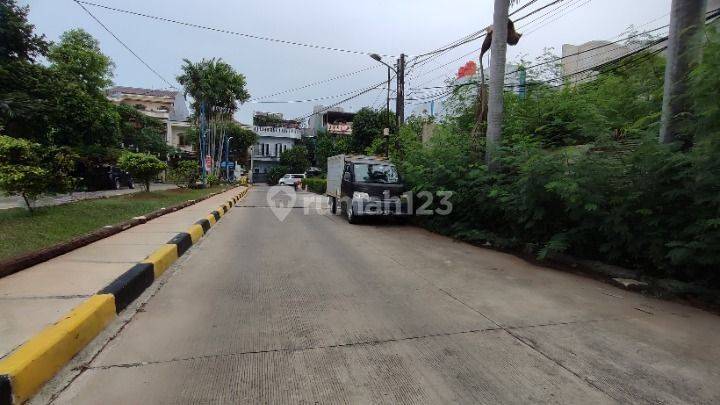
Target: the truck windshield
pixel 375 173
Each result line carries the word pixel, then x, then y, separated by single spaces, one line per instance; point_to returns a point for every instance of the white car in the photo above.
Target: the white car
pixel 291 180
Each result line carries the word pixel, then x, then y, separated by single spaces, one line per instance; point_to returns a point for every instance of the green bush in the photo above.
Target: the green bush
pixel 142 166
pixel 28 169
pixel 185 173
pixel 581 171
pixel 212 180
pixel 275 173
pixel 316 184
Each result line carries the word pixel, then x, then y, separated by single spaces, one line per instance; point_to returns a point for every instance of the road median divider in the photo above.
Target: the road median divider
pixel 24 371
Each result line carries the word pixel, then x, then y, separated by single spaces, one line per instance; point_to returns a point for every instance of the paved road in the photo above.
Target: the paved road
pixel 314 310
pixel 15 201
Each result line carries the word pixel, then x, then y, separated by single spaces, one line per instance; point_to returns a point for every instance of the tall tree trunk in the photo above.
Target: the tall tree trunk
pixel 683 53
pixel 497 79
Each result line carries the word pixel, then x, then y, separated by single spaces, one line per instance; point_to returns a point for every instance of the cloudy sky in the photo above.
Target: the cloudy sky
pixel 387 27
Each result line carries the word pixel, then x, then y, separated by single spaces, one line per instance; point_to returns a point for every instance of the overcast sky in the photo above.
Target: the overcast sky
pixel 383 26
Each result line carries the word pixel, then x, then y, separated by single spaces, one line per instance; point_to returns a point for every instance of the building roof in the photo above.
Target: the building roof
pixel 143 92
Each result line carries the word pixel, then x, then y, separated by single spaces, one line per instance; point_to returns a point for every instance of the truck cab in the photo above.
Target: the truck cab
pixel 365 186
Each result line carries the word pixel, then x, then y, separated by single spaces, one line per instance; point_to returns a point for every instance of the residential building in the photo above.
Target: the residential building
pixel 334 120
pixel 437 107
pixel 275 135
pixel 578 60
pixel 167 106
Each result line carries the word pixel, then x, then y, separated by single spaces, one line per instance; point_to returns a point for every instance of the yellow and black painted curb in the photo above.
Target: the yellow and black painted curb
pixel 24 371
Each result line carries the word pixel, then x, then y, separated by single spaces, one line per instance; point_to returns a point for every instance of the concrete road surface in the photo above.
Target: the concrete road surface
pixel 314 310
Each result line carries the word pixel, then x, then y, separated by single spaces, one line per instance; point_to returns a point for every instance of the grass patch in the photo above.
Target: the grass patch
pixel 23 232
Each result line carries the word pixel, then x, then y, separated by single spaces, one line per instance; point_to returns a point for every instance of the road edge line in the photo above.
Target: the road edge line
pixel 26 369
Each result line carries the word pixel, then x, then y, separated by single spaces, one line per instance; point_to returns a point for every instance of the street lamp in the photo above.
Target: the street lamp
pixel 387 103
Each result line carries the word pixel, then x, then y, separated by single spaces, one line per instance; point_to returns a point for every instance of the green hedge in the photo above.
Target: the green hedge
pixel 316 184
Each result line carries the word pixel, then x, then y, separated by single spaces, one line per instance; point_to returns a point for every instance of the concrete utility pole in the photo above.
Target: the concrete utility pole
pixel 400 101
pixel 684 51
pixel 496 86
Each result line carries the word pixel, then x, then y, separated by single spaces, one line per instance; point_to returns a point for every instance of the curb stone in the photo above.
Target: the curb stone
pixel 24 371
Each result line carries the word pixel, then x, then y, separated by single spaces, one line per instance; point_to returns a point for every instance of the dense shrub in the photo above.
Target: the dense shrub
pixel 316 184
pixel 581 171
pixel 186 173
pixel 142 166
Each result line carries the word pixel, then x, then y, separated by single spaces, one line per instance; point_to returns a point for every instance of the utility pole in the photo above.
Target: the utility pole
pixel 400 100
pixel 496 86
pixel 684 51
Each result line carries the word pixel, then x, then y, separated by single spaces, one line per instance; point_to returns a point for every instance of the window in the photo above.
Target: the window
pixel 375 173
pixel 182 140
pixel 267 149
pixel 277 146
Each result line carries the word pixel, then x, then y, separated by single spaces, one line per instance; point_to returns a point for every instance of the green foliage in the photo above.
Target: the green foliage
pixel 28 170
pixel 581 171
pixel 368 125
pixel 212 179
pixel 17 40
pixel 215 83
pixel 78 57
pixel 329 145
pixel 295 159
pixel 142 166
pixel 275 173
pixel 316 185
pixel 185 173
pixel 140 132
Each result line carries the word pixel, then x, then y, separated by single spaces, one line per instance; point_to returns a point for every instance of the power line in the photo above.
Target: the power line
pixel 557 17
pixel 529 3
pixel 342 76
pixel 538 10
pixel 367 90
pixel 124 44
pixel 225 31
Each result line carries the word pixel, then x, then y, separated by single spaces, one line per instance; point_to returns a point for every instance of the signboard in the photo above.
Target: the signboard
pixel 208 163
pixel 341 129
pixel 225 165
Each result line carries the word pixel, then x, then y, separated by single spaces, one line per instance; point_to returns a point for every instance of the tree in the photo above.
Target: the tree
pixel 215 83
pixel 140 132
pixel 367 126
pixel 81 115
pixel 186 173
pixel 18 42
pixel 242 139
pixel 142 166
pixel 27 169
pixel 295 159
pixel 78 57
pixel 215 88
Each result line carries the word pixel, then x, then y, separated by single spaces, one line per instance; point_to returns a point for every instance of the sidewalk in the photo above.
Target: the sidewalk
pixel 18 202
pixel 38 296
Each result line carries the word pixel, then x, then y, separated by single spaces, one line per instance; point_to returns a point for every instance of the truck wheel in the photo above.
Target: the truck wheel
pixel 333 205
pixel 350 213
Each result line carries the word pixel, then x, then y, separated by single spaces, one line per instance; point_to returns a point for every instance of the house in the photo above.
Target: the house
pixel 167 106
pixel 275 135
pixel 333 120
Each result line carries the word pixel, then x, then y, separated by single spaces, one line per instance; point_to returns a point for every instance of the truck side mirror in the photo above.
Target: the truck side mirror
pixel 346 176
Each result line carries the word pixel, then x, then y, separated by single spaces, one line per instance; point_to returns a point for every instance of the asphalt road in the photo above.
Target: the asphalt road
pixel 315 310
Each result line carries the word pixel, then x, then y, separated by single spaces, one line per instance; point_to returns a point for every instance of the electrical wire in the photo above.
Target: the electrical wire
pixel 124 44
pixel 342 76
pixel 225 31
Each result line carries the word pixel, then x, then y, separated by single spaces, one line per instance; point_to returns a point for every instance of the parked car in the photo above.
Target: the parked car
pixel 106 177
pixel 313 172
pixel 291 180
pixel 365 186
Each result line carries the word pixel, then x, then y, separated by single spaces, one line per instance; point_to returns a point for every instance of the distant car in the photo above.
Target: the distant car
pixel 313 172
pixel 291 180
pixel 106 177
